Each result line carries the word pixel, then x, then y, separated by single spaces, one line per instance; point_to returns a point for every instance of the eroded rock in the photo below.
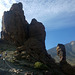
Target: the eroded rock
pixel 14 25
pixel 33 50
pixel 37 31
pixel 30 38
pixel 61 52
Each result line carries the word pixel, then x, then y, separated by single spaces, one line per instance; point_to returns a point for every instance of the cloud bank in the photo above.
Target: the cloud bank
pixel 53 13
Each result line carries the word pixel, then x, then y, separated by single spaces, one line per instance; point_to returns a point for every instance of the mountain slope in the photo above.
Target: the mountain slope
pixel 70 53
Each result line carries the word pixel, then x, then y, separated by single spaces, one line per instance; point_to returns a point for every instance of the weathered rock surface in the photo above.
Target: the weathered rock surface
pixel 33 50
pixel 61 52
pixel 14 25
pixel 37 31
pixel 64 65
pixel 30 38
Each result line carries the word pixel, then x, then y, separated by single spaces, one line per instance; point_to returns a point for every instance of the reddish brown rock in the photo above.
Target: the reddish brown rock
pixel 61 52
pixel 14 25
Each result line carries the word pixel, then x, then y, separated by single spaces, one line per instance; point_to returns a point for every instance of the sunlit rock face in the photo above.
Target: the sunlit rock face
pixel 61 52
pixel 14 25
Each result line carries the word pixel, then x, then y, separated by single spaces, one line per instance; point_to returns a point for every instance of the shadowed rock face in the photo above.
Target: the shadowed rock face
pixel 61 52
pixel 37 31
pixel 33 50
pixel 30 38
pixel 14 25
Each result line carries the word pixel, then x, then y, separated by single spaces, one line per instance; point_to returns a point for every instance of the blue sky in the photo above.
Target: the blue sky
pixel 58 17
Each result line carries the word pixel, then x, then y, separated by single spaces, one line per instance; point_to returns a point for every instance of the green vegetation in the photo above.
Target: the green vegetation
pixel 40 66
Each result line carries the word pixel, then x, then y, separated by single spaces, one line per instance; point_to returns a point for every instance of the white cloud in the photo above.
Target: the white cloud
pixel 42 10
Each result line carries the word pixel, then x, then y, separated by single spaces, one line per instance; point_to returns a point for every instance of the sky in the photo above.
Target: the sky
pixel 58 17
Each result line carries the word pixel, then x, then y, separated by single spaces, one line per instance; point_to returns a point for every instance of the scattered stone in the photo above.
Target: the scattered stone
pixel 15 70
pixel 47 73
pixel 29 73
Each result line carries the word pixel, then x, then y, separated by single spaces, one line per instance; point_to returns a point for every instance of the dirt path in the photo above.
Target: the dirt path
pixel 6 68
pixel 5 73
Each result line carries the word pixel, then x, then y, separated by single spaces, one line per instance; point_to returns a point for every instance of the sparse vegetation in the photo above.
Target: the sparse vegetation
pixel 41 66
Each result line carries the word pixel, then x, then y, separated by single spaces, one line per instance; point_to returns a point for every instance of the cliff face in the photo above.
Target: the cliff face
pixel 37 30
pixel 30 38
pixel 14 25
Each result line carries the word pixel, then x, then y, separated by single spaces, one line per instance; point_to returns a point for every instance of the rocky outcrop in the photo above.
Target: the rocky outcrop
pixel 37 31
pixel 33 50
pixel 14 25
pixel 30 38
pixel 64 65
pixel 61 52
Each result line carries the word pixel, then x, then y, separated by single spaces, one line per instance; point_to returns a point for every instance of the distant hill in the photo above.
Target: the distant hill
pixel 70 52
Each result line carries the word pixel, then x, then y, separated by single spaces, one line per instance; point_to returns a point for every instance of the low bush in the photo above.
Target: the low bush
pixel 41 66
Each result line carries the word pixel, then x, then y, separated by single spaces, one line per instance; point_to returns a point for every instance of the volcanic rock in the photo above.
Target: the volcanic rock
pixel 37 31
pixel 33 50
pixel 61 52
pixel 14 25
pixel 30 38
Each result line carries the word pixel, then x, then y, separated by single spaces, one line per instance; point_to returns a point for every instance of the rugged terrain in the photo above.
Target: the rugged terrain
pixel 22 46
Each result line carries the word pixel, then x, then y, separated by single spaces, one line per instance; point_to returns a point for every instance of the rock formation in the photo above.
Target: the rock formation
pixel 64 65
pixel 14 25
pixel 61 52
pixel 30 38
pixel 37 31
pixel 33 50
